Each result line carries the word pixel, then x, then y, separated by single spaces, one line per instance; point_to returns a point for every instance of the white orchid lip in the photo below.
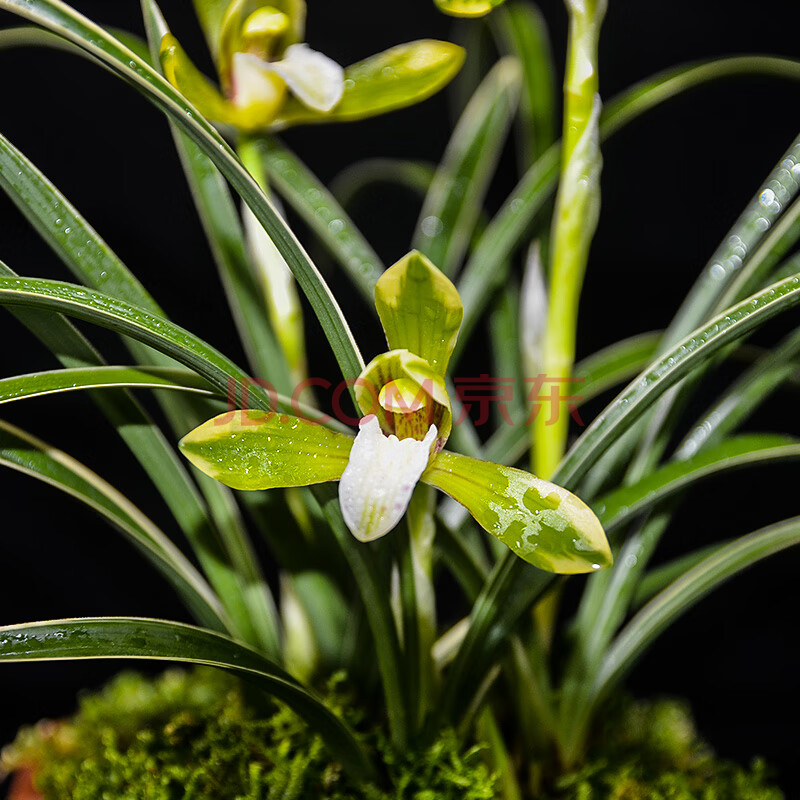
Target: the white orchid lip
pixel 253 85
pixel 377 484
pixel 314 79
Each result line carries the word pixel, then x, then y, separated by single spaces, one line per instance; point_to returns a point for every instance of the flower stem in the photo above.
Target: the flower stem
pixel 574 223
pixel 273 274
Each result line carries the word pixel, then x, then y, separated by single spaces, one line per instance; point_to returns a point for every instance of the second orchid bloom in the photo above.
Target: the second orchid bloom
pixel 405 425
pixel 270 79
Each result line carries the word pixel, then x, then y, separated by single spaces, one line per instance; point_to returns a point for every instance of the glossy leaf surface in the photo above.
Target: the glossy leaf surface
pixel 68 380
pixel 157 640
pixel 455 199
pixel 33 457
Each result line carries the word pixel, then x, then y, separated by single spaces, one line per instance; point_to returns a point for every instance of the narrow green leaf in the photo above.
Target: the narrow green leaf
pixel 224 233
pixel 156 640
pixel 759 237
pixel 622 505
pixel 666 371
pixel 90 259
pixel 510 590
pixel 253 450
pixel 607 367
pixel 322 213
pixel 507 343
pixel 773 246
pixel 223 229
pixel 487 267
pixel 31 456
pixel 150 448
pixel 522 31
pixel 68 380
pixel 740 400
pixel 680 596
pixel 62 19
pixel 60 224
pixel 488 264
pixel 494 615
pixel 656 89
pixel 395 78
pixel 139 324
pixel 375 598
pixel 455 198
pixel 415 176
pixel 658 578
pixel 593 376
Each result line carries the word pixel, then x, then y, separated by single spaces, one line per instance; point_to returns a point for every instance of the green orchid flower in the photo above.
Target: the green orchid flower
pixel 406 421
pixel 467 8
pixel 271 79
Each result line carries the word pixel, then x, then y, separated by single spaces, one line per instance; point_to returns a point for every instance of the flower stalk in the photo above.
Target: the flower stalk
pixel 278 285
pixel 575 219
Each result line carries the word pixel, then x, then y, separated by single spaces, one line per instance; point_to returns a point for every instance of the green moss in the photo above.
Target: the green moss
pixel 195 736
pixel 651 751
pixel 192 736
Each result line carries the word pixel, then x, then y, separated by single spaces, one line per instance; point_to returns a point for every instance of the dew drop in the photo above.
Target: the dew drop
pixel 766 198
pixel 432 226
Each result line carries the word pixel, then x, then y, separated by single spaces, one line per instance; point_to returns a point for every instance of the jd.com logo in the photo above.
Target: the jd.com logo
pixel 483 393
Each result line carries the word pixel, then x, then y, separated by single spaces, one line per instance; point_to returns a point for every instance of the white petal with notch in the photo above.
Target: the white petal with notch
pixel 253 83
pixel 314 79
pixel 380 477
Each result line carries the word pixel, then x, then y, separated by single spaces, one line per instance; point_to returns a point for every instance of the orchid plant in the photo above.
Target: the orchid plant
pixel 361 569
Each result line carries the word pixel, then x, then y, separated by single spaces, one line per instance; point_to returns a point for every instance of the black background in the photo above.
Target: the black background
pixel 673 184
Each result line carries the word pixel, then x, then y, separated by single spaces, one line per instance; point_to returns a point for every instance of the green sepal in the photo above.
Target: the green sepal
pixel 467 8
pixel 420 309
pixel 236 15
pixel 266 450
pixel 195 87
pixel 542 523
pixel 211 13
pixel 395 78
pixel 397 365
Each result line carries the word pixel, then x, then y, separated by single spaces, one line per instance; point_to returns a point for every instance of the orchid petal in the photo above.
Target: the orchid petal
pixel 467 8
pixel 314 79
pixel 396 78
pixel 542 523
pixel 420 309
pixel 403 365
pixel 231 32
pixel 193 85
pixel 379 479
pixel 266 450
pixel 255 89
